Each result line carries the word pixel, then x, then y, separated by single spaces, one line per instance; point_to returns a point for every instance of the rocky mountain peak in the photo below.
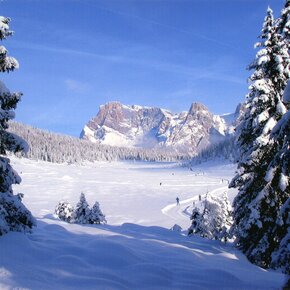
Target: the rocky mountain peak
pixel 197 107
pixel 199 112
pixel 137 126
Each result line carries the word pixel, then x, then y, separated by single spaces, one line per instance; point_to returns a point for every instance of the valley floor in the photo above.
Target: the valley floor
pixel 136 249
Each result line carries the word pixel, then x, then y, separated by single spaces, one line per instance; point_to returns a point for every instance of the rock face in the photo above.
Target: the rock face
pixel 135 126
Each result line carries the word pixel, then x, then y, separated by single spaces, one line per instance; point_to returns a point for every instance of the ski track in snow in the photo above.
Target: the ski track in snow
pixel 136 249
pixel 176 211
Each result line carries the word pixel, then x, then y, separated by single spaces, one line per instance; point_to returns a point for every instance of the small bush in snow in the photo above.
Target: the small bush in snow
pixel 64 211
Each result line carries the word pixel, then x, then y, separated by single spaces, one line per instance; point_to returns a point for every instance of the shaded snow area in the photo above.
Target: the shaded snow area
pixel 136 249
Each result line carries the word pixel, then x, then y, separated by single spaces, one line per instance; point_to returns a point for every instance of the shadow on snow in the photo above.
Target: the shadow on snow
pixel 129 256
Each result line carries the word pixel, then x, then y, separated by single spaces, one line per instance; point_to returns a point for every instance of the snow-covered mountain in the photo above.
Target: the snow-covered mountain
pixel 135 126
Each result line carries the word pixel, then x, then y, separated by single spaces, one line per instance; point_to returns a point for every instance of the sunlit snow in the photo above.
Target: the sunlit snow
pixel 136 248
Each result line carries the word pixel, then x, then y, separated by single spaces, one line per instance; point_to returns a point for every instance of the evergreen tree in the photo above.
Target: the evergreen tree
pixel 82 211
pixel 257 205
pixel 14 216
pixel 97 216
pixel 196 225
pixel 213 221
pixel 278 181
pixel 226 218
pixel 279 168
pixel 283 21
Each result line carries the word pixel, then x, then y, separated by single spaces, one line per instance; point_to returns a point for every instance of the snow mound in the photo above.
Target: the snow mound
pixel 129 256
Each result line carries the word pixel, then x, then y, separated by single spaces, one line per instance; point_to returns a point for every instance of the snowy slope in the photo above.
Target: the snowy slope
pixel 135 250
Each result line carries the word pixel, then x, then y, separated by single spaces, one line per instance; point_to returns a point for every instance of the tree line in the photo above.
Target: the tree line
pixel 58 148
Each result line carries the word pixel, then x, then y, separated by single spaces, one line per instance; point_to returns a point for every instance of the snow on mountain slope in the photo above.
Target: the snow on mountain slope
pixel 135 250
pixel 233 119
pixel 119 125
pixel 135 126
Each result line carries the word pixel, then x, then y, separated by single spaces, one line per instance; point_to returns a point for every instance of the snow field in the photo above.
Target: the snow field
pixel 135 250
pixel 127 192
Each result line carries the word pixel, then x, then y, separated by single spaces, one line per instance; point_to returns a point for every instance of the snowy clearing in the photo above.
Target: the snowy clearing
pixel 136 249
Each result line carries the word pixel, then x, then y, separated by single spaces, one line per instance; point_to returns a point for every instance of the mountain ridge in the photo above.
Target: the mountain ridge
pixel 117 124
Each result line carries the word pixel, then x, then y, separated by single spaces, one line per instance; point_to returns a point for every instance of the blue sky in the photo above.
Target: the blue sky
pixel 75 55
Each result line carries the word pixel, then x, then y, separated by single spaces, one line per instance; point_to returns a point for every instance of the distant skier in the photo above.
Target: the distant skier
pixel 177 201
pixel 160 183
pixel 199 197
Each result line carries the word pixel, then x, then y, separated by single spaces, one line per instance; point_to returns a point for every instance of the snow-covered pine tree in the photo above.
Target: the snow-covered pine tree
pixel 196 225
pixel 278 180
pixel 283 21
pixel 213 221
pixel 217 217
pixel 97 216
pixel 82 211
pixel 226 218
pixel 279 168
pixel 14 216
pixel 257 206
